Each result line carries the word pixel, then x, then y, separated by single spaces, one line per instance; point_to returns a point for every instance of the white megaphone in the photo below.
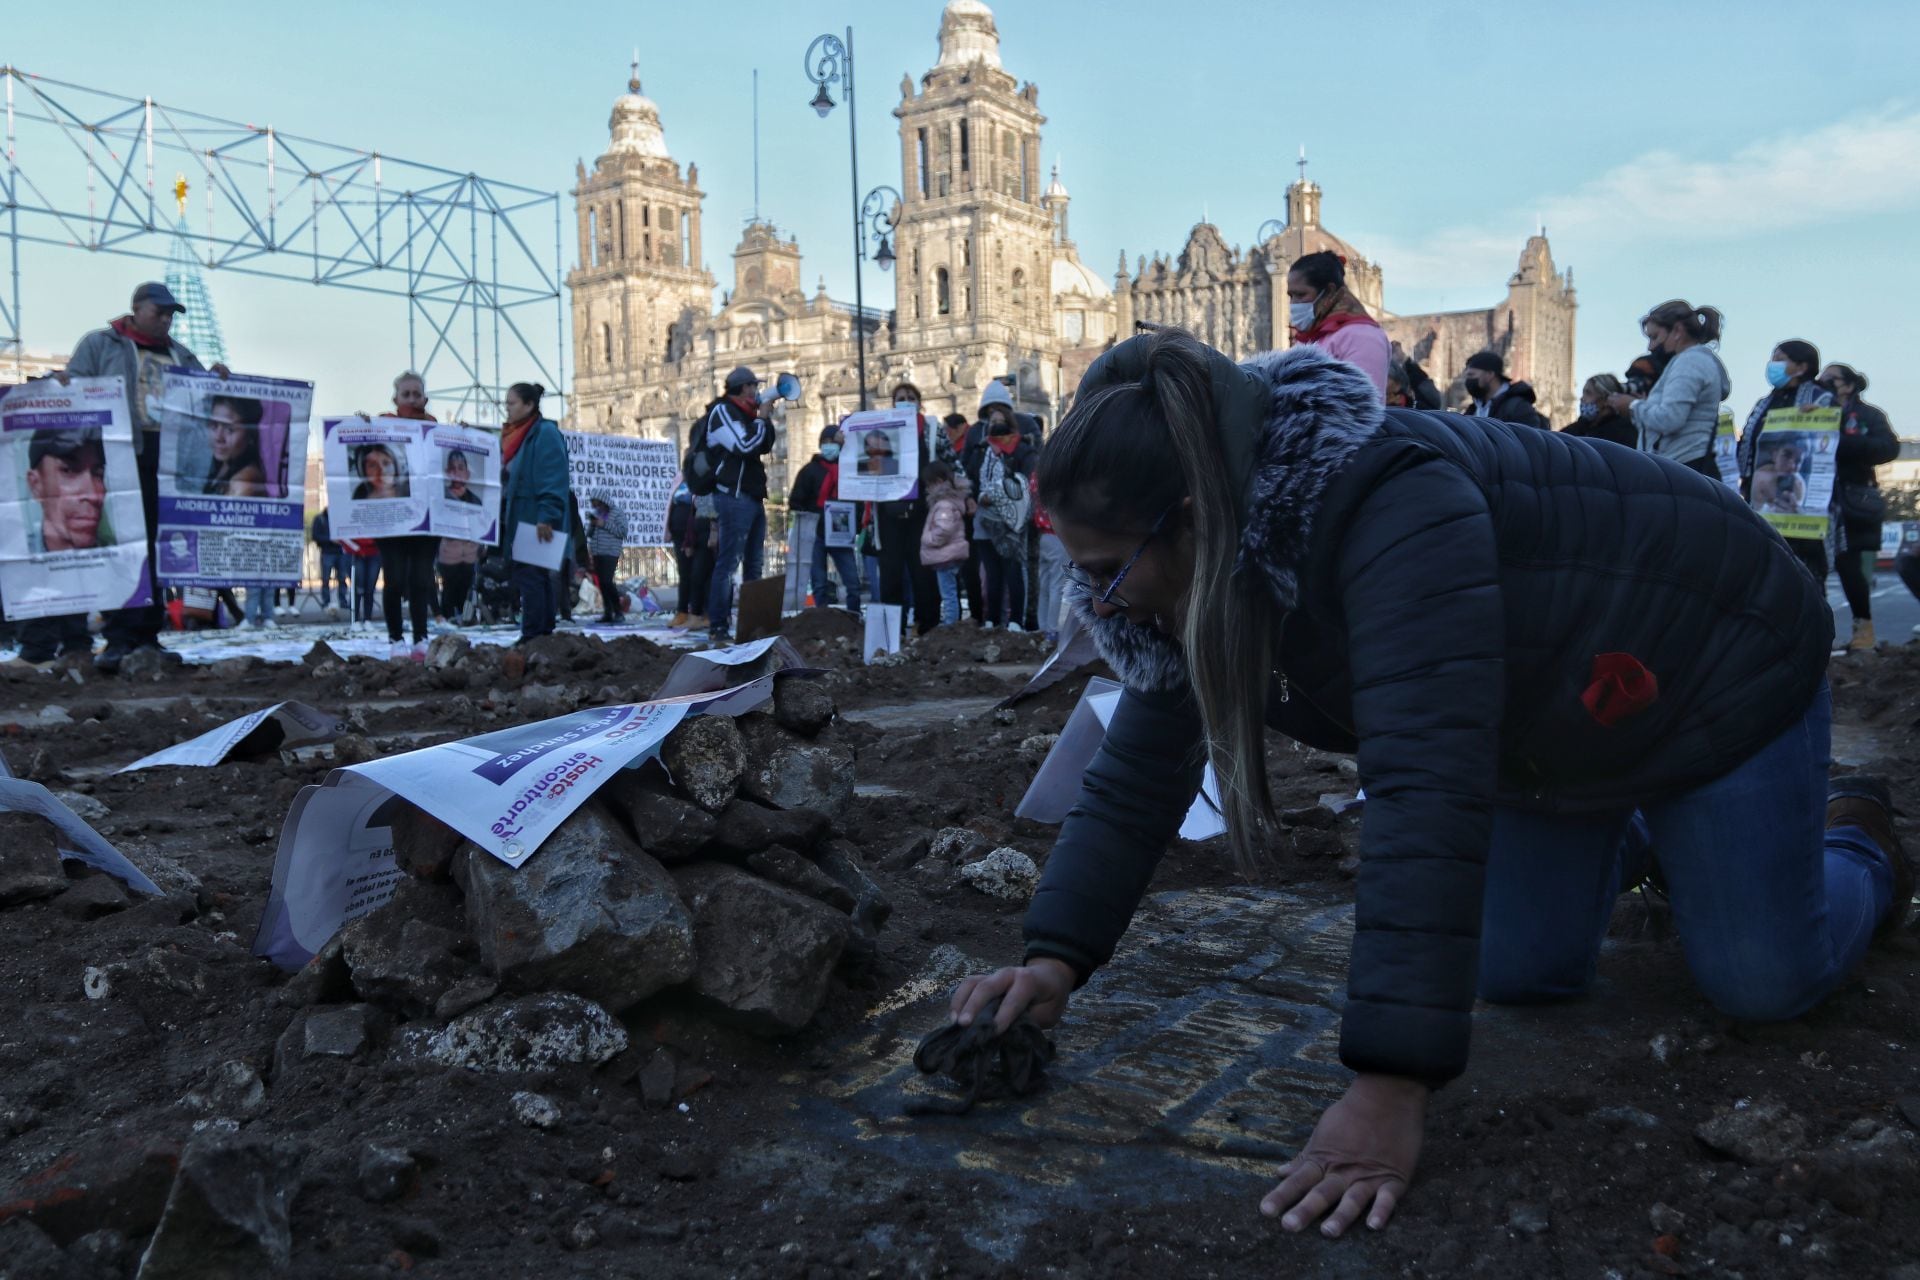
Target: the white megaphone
pixel 785 387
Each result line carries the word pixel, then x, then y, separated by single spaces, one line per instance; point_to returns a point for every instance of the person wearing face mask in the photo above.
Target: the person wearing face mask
pixel 958 430
pixel 1321 310
pixel 997 462
pixel 816 484
pixel 1598 420
pixel 533 490
pixel 1494 397
pixel 1790 374
pixel 1527 639
pixel 1866 441
pixel 1677 418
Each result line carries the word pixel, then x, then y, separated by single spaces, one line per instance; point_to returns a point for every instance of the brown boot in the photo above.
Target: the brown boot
pixel 1862 641
pixel 679 619
pixel 1859 800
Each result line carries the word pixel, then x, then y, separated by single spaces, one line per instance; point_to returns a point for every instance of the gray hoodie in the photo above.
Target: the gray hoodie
pixel 1678 417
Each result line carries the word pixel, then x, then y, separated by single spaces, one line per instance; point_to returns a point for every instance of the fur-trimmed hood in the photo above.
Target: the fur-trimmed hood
pixel 1319 411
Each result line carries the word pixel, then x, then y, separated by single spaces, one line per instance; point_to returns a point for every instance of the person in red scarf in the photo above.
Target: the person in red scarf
pixel 1324 313
pixel 406 563
pixel 139 347
pixel 533 491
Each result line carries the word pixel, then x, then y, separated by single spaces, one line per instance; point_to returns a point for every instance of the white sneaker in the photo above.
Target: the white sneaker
pixel 1015 627
pixel 268 622
pixel 401 651
pixel 986 626
pixel 419 652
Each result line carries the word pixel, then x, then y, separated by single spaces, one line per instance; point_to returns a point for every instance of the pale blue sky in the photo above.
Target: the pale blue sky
pixel 1762 157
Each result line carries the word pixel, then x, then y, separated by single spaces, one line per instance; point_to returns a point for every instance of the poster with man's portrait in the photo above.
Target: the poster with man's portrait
pixel 465 483
pixel 73 535
pixel 232 478
pixel 880 455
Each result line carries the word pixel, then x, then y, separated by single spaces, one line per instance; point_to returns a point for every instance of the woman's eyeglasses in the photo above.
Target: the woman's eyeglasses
pixel 1111 596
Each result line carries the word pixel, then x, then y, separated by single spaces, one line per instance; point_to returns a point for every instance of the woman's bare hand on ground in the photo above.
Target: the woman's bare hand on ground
pixel 1359 1161
pixel 1039 988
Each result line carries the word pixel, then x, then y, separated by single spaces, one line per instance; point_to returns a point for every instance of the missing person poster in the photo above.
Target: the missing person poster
pixel 400 477
pixel 233 462
pixel 1726 450
pixel 73 535
pixel 638 475
pixel 1793 465
pixel 880 461
pixel 463 478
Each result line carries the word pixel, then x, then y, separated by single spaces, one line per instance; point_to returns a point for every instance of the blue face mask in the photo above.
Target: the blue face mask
pixel 1300 315
pixel 1776 373
pixel 831 452
pixel 1589 409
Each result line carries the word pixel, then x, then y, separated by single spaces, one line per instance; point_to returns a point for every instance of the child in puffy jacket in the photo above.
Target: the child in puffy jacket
pixel 943 544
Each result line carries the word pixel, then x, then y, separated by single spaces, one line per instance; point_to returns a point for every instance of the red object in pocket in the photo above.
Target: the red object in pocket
pixel 1621 689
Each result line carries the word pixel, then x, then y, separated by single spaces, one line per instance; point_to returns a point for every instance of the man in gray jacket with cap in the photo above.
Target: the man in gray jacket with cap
pixel 139 347
pixel 737 438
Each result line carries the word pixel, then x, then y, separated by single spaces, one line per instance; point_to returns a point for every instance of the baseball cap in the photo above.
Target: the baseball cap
pixel 154 291
pixel 741 377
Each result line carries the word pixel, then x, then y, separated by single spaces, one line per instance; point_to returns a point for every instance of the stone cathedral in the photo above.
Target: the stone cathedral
pixel 987 279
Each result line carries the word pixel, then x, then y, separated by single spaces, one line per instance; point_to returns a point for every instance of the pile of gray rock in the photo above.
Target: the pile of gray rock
pixel 716 874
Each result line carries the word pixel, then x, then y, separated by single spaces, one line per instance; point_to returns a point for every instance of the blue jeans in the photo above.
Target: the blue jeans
pixel 872 577
pixel 539 598
pixel 743 545
pixel 823 589
pixel 949 578
pixel 366 572
pixel 1773 910
pixel 824 592
pixel 333 563
pixel 259 609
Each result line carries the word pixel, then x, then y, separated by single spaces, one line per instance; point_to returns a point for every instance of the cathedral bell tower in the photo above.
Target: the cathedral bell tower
pixel 975 238
pixel 638 287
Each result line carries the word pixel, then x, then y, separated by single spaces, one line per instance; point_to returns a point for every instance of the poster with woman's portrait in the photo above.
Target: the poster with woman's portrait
pixel 465 483
pixel 1793 462
pixel 232 482
pixel 72 529
pixel 880 459
pixel 379 476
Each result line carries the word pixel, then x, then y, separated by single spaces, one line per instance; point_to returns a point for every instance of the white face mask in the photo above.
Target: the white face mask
pixel 1300 315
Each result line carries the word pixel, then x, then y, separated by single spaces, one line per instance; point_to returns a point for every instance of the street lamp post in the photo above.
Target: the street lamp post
pixel 830 58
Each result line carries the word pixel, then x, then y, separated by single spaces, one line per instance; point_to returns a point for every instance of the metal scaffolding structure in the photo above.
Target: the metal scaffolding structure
pixel 81 172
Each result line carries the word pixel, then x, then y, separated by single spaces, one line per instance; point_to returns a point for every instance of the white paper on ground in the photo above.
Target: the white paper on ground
pixel 506 791
pixel 528 549
pixel 1056 787
pixel 883 630
pixel 712 670
pixel 79 842
pixel 299 723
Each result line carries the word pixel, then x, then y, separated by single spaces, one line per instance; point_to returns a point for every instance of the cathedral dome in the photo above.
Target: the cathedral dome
pixel 1070 275
pixel 967 35
pixel 635 126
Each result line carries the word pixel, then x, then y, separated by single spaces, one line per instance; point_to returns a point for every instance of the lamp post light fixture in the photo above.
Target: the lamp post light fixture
pixel 830 58
pixel 1268 230
pixel 878 214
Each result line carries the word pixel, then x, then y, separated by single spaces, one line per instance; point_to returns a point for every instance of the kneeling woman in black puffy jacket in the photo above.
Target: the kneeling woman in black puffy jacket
pixel 1525 637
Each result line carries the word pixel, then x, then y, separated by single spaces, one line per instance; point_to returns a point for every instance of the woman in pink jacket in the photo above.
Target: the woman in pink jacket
pixel 1325 313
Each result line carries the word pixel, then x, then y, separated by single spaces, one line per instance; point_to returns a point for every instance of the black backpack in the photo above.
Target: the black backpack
pixel 700 469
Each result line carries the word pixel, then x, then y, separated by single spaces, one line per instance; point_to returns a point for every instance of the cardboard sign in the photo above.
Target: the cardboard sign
pixel 758 611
